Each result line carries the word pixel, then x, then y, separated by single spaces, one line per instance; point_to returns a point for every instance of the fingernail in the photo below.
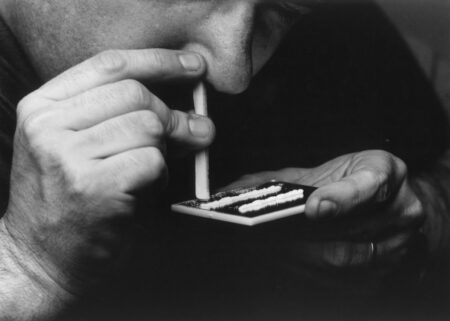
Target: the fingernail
pixel 327 208
pixel 199 126
pixel 190 62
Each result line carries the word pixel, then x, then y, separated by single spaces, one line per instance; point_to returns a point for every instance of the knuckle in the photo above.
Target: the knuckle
pixel 47 153
pixel 158 162
pixel 414 213
pixel 158 167
pixel 144 124
pixel 77 184
pixel 28 104
pixel 394 161
pixel 24 104
pixel 134 92
pixel 378 176
pixel 384 159
pixel 46 145
pixel 149 163
pixel 110 62
pixel 401 167
pixel 382 154
pixel 31 125
pixel 151 124
pixel 36 124
pixel 159 58
pixel 382 182
pixel 356 193
pixel 386 174
pixel 418 208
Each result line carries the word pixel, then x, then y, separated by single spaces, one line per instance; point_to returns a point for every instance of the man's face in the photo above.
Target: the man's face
pixel 236 37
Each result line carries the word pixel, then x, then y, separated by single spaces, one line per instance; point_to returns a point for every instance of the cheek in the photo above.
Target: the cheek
pixel 139 24
pixel 62 33
pixel 142 25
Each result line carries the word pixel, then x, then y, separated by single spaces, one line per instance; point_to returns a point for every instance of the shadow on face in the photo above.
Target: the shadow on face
pixel 236 37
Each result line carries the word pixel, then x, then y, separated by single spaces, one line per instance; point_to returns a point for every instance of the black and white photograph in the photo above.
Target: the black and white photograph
pixel 224 160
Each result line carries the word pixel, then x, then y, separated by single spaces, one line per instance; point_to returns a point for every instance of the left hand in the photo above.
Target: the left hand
pixel 364 209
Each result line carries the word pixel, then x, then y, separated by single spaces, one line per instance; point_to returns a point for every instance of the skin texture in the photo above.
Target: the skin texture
pixel 93 135
pixel 70 209
pixel 236 38
pixel 352 189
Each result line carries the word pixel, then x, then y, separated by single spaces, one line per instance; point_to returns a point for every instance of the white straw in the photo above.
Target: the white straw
pixel 201 158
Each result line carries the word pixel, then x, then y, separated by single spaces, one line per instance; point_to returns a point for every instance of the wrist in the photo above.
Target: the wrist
pixel 26 290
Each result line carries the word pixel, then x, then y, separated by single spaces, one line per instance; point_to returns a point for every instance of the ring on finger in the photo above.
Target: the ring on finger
pixel 373 252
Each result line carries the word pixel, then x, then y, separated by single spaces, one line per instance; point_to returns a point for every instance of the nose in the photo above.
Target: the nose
pixel 224 37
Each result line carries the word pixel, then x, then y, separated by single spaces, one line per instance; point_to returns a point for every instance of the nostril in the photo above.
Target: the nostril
pixel 229 81
pixel 226 71
pixel 231 70
pixel 225 39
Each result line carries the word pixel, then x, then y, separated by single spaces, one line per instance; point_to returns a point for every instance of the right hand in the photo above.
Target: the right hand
pixel 85 143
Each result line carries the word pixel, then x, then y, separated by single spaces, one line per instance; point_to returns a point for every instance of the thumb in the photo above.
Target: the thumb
pixel 371 182
pixel 190 130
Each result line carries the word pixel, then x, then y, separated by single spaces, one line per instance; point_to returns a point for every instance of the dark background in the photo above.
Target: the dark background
pixel 344 81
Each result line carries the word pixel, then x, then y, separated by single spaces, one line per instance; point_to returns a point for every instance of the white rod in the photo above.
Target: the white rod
pixel 202 157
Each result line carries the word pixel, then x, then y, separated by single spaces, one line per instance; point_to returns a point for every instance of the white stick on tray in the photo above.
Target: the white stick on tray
pixel 201 158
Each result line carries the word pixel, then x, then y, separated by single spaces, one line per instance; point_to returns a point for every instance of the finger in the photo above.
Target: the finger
pixel 352 254
pixel 113 100
pixel 374 180
pixel 406 210
pixel 191 131
pixel 393 247
pixel 289 175
pixel 154 65
pixel 403 212
pixel 133 170
pixel 120 134
pixel 105 102
pixel 318 176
